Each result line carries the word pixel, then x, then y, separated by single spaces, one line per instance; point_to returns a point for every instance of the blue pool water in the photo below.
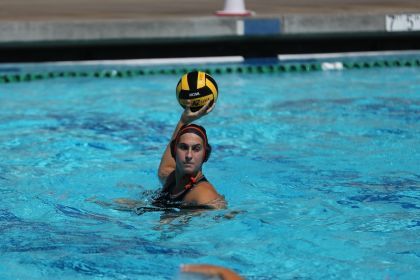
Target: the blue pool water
pixel 321 169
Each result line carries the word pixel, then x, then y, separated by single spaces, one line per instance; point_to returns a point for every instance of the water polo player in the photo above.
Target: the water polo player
pixel 180 170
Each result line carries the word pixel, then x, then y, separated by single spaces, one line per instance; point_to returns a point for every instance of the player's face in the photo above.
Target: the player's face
pixel 189 153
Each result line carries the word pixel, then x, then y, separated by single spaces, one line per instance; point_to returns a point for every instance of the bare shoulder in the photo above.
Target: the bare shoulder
pixel 205 194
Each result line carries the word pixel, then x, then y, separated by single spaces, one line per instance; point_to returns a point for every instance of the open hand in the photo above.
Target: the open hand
pixel 211 270
pixel 188 116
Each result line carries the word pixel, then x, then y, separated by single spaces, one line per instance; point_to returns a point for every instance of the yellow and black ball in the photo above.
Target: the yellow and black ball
pixel 196 88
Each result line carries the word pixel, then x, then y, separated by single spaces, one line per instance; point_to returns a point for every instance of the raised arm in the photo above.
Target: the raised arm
pixel 167 163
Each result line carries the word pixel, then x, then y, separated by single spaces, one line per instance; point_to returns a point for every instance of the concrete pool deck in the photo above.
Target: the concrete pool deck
pixel 49 23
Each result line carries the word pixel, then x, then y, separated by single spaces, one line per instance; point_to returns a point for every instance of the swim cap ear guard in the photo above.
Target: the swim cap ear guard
pixel 196 129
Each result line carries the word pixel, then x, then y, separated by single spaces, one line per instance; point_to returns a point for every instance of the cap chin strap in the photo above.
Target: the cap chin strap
pixel 193 179
pixel 191 183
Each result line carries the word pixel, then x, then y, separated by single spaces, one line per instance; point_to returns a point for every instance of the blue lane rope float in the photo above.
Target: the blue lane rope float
pixel 240 69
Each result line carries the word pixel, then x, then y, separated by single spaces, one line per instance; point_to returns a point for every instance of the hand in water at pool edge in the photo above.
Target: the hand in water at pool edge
pixel 211 270
pixel 180 169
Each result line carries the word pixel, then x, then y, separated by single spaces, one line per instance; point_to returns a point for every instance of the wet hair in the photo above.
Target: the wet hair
pixel 197 130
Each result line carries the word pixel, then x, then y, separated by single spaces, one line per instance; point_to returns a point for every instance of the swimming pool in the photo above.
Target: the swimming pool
pixel 322 168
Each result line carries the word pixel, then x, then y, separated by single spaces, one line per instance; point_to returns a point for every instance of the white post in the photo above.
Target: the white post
pixel 234 8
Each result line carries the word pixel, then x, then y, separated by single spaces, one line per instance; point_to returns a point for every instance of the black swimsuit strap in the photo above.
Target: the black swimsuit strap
pixel 202 179
pixel 185 191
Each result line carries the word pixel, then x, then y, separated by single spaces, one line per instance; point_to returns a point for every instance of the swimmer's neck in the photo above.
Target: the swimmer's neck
pixel 182 179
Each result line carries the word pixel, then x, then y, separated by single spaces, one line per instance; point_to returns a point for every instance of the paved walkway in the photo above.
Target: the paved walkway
pixel 97 29
pixel 43 10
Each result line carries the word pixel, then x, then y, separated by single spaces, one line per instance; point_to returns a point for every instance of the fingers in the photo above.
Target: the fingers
pixel 211 107
pixel 199 268
pixel 206 108
pixel 188 107
pixel 188 103
pixel 211 270
pixel 188 116
pixel 203 110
